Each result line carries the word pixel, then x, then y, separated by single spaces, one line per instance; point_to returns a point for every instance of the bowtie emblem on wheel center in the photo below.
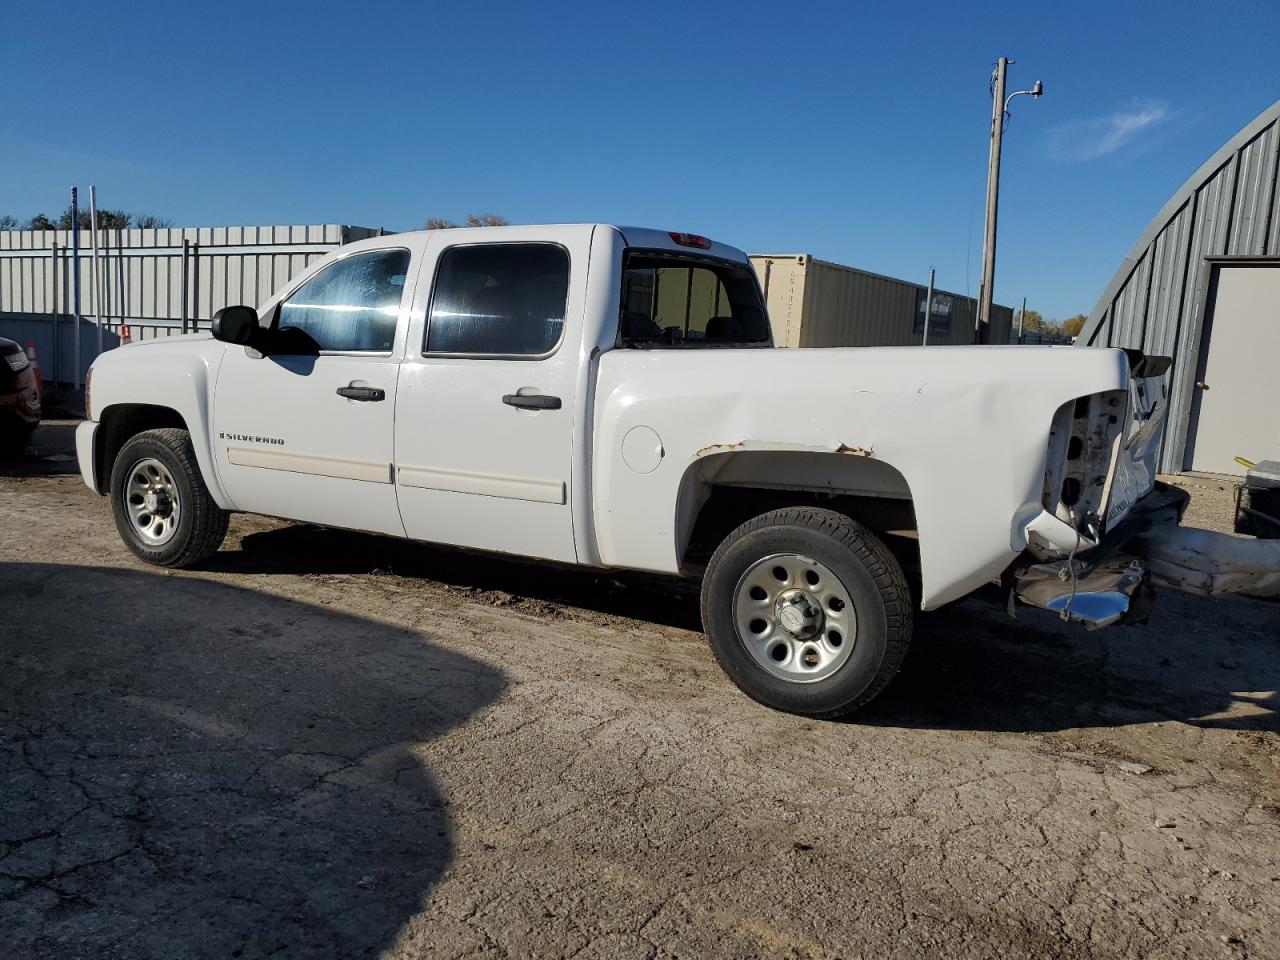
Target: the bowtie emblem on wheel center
pixel 156 502
pixel 798 614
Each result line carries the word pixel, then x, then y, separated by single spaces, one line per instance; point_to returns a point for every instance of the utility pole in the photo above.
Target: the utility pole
pixel 999 107
pixel 1022 319
pixel 993 200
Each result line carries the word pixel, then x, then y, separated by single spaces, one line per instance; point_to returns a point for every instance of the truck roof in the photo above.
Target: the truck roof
pixel 649 238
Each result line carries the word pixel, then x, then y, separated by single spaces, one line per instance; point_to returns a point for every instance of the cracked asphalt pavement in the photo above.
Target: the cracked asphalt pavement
pixel 328 745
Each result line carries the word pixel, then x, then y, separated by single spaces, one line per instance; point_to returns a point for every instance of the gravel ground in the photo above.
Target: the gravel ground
pixel 332 745
pixel 1213 502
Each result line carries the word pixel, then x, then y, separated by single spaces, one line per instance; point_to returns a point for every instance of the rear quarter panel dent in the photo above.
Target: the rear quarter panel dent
pixel 966 429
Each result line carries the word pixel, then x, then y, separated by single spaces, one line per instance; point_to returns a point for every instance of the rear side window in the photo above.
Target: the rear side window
pixel 350 305
pixel 499 299
pixel 679 301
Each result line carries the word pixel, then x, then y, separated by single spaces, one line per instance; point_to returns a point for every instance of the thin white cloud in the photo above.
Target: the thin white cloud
pixel 1091 137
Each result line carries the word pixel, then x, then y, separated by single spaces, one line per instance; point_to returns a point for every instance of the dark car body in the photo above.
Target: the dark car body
pixel 19 398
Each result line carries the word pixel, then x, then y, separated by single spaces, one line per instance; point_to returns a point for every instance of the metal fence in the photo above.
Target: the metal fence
pixel 1032 337
pixel 149 283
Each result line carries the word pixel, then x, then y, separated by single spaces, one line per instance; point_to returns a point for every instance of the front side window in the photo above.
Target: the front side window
pixel 499 299
pixel 350 305
pixel 678 301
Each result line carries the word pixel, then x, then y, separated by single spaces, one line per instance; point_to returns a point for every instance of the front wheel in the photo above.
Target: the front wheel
pixel 807 611
pixel 162 507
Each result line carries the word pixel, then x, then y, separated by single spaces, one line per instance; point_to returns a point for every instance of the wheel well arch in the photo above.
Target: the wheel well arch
pixel 121 421
pixel 721 491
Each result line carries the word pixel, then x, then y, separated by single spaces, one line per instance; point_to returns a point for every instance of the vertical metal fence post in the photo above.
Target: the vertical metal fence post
pixel 55 303
pixel 97 284
pixel 928 309
pixel 186 254
pixel 66 304
pixel 195 286
pixel 75 282
pixel 122 304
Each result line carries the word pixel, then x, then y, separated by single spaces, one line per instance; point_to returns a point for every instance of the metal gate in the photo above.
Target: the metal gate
pixel 149 283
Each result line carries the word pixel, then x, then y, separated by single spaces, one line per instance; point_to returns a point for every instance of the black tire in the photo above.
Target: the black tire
pixel 869 574
pixel 201 524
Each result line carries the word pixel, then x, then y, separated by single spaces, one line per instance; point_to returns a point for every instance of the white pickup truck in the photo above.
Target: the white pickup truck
pixel 610 397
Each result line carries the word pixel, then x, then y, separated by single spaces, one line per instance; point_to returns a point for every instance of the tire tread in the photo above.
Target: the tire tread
pixel 208 521
pixel 883 566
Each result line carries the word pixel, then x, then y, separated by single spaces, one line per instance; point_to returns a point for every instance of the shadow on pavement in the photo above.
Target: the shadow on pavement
pixel 52 452
pixel 301 548
pixel 193 769
pixel 971 667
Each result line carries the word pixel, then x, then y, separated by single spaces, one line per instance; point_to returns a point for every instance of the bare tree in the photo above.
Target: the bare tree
pixel 107 219
pixel 473 220
pixel 113 220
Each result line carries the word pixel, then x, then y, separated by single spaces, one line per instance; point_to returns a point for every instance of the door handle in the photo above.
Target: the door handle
pixel 1201 385
pixel 373 394
pixel 532 401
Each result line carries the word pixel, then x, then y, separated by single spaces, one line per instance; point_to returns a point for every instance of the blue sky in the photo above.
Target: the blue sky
pixel 854 132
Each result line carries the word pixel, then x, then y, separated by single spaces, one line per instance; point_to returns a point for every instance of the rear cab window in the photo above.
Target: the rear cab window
pixel 679 300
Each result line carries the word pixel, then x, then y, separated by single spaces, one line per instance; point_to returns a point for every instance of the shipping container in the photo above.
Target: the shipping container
pixel 814 303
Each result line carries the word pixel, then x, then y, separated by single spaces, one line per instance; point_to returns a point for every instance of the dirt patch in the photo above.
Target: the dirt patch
pixel 326 744
pixel 1213 502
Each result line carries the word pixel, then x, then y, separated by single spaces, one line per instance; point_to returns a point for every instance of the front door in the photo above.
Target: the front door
pixel 487 399
pixel 307 431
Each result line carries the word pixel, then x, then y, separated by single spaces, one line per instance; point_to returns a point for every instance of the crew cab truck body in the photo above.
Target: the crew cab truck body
pixel 609 397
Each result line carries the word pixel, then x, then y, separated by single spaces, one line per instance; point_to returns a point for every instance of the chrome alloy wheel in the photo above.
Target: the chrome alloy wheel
pixel 794 617
pixel 151 498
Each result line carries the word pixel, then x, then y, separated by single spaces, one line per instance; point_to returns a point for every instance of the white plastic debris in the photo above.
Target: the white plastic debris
pixel 1209 564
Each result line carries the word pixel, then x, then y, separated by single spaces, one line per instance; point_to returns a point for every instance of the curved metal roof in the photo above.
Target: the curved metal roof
pixel 1229 207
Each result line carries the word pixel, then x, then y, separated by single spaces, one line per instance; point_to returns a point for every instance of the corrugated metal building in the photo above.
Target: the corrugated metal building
pixel 1202 285
pixel 814 303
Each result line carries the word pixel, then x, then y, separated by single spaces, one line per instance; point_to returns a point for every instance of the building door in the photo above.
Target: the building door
pixel 1236 410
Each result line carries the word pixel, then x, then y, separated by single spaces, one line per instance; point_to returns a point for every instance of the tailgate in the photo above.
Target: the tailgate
pixel 1134 465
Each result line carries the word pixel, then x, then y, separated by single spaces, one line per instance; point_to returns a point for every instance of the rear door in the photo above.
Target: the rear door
pixel 307 431
pixel 488 393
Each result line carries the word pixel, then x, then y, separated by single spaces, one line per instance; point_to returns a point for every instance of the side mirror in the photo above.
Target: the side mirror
pixel 235 325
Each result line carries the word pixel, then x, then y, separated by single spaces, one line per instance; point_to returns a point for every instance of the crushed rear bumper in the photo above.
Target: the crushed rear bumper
pixel 1110 583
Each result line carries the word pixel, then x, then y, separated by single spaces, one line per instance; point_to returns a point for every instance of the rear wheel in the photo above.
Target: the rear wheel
pixel 807 611
pixel 162 508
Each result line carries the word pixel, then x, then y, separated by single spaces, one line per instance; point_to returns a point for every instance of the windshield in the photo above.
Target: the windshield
pixel 678 300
